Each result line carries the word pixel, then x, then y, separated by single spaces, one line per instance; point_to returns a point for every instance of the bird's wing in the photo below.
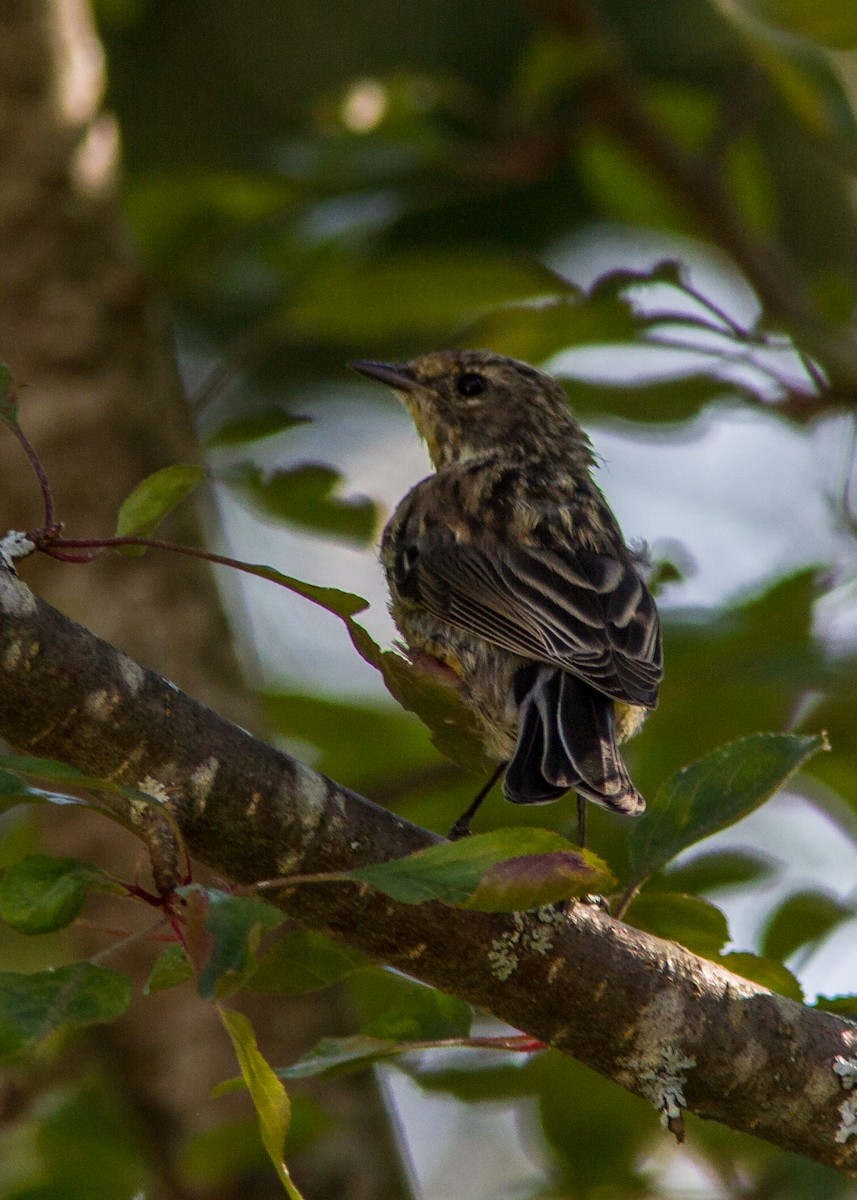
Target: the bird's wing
pixel 584 612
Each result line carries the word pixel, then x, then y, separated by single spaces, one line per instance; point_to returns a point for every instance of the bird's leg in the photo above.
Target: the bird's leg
pixel 461 828
pixel 581 822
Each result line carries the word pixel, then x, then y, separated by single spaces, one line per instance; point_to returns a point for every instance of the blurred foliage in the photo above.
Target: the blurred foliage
pixel 311 184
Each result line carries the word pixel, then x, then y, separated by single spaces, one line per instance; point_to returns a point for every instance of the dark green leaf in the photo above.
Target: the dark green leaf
pixel 342 728
pixel 807 82
pixel 436 700
pixel 152 499
pixel 843 1006
pixel 235 924
pixel 305 496
pixel 32 1006
pixel 663 401
pixel 40 894
pixel 425 293
pixel 692 922
pixel 171 969
pixel 303 961
pixel 714 793
pixel 422 1014
pixel 252 429
pixel 535 332
pixel 765 971
pixel 341 1056
pixel 719 869
pixel 803 918
pixel 465 872
pixel 832 24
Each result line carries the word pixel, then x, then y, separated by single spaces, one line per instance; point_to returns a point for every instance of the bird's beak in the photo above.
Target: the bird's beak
pixel 395 375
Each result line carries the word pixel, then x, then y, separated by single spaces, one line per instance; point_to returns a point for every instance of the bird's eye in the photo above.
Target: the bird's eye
pixel 471 384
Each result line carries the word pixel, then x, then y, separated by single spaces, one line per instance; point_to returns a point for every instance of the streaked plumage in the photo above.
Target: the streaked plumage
pixel 508 567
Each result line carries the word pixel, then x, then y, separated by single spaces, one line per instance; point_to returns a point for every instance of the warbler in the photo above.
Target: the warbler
pixel 508 571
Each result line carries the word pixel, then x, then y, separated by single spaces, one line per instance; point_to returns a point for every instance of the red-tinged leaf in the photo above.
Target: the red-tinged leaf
pixel 452 872
pixel 533 880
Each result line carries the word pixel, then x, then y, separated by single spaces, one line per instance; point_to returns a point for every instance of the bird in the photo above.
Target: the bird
pixel 508 574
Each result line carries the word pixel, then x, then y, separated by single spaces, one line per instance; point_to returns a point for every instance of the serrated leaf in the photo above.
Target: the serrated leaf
pixel 765 971
pixel 802 918
pixel 253 428
pixel 171 969
pixel 303 961
pixel 40 894
pixel 35 1005
pixel 455 872
pixel 694 923
pixel 305 495
pixel 268 1094
pixel 153 498
pixel 715 792
pixel 234 924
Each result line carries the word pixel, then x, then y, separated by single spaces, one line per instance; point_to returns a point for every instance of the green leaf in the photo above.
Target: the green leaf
pixel 805 79
pixel 268 1094
pixel 171 969
pixel 32 1006
pixel 512 869
pixel 660 402
pixel 235 925
pixel 432 292
pixel 832 24
pixel 536 332
pixel 252 429
pixel 40 894
pixel 692 922
pixel 152 499
pixel 765 971
pixel 303 961
pixel 803 918
pixel 718 869
pixel 715 792
pixel 340 1056
pixel 453 727
pixel 843 1006
pixel 422 1014
pixel 305 496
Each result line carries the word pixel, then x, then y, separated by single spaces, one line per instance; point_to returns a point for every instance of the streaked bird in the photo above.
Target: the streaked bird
pixel 508 571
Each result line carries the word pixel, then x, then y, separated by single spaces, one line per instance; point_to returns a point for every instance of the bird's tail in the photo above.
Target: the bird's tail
pixel 567 739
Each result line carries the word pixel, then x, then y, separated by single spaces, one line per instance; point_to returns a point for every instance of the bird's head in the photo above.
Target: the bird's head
pixel 465 403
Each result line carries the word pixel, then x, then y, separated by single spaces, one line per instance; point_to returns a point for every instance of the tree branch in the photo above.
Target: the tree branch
pixel 659 1021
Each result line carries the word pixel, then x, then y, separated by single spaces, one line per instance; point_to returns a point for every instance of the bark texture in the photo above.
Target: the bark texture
pixel 655 1018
